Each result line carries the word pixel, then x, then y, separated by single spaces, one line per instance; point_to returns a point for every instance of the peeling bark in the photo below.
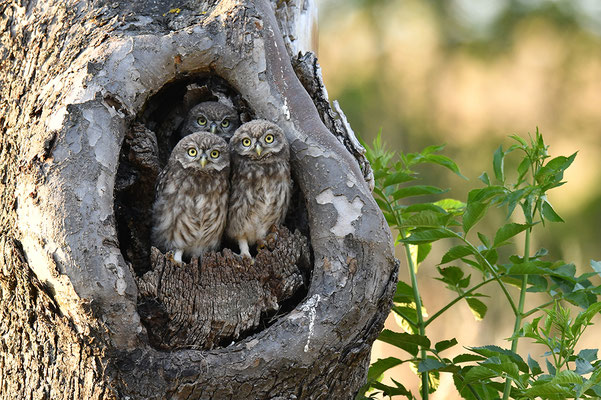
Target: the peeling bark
pixel 74 79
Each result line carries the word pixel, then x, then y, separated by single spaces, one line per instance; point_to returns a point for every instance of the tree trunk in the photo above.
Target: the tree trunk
pixel 75 78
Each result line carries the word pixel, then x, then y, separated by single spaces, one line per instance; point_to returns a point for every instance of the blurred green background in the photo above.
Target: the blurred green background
pixel 469 73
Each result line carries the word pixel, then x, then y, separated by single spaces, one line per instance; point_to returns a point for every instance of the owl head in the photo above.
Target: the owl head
pixel 214 117
pixel 202 152
pixel 260 140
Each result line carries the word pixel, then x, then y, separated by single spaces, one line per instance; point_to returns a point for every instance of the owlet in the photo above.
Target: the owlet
pixel 214 117
pixel 260 182
pixel 190 206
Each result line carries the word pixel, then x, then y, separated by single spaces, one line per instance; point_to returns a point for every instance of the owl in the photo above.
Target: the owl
pixel 260 182
pixel 211 116
pixel 190 207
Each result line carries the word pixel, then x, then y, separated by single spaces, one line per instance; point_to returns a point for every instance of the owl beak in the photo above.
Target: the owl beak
pixel 213 128
pixel 203 161
pixel 258 149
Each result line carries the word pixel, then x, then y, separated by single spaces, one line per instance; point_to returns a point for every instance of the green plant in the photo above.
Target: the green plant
pixel 486 372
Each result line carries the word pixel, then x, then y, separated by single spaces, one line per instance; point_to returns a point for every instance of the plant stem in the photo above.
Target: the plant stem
pixel 520 314
pixel 456 299
pixel 539 308
pixel 420 317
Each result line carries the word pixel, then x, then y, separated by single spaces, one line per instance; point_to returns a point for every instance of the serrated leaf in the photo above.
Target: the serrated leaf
pixel 417 190
pixel 455 253
pixel 478 373
pixel 583 367
pixel 508 231
pixel 381 366
pixel 478 308
pixel 547 390
pixel 508 368
pixel 492 351
pixel 474 211
pixel 534 366
pixel 394 338
pixel 445 344
pixel 566 377
pixel 404 341
pixel 429 364
pixel 498 164
pixel 391 390
pixel 549 213
pixel 588 354
pixel 427 236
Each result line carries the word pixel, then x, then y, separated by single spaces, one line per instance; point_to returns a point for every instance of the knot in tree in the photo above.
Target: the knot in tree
pixel 94 98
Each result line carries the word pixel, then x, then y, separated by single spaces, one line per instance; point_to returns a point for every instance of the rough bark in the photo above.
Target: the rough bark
pixel 75 78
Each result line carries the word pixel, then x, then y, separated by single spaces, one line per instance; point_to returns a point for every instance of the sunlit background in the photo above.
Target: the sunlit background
pixel 469 73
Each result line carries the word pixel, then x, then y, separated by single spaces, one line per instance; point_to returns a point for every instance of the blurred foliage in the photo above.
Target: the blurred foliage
pixel 468 73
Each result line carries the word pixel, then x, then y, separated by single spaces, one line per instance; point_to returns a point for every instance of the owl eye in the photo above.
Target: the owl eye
pixel 192 152
pixel 225 123
pixel 246 142
pixel 214 153
pixel 202 121
pixel 269 138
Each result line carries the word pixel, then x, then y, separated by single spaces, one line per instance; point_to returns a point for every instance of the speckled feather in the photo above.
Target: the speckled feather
pixel 260 185
pixel 215 113
pixel 190 208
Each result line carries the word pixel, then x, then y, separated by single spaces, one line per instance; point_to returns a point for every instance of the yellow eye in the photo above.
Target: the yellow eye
pixel 192 152
pixel 225 123
pixel 202 121
pixel 246 142
pixel 269 138
pixel 214 153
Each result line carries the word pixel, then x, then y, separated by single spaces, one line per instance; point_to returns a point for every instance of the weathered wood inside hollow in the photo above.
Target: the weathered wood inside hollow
pixel 203 304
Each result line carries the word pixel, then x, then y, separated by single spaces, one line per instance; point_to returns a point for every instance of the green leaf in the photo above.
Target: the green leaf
pixel 466 357
pixel 484 239
pixel 478 373
pixel 405 341
pixel 418 190
pixel 519 140
pixel 474 211
pixel 566 377
pixel 498 164
pixel 427 236
pixel 492 350
pixel 508 368
pixel 596 265
pixel 534 366
pixel 404 293
pixel 382 365
pixel 445 344
pixel 455 253
pixel 478 308
pixel 398 177
pixel 523 169
pixel 422 251
pixel 549 213
pixel 429 364
pixel 548 390
pixel 445 162
pixel 451 205
pixel 508 231
pixel 392 391
pixel 484 178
